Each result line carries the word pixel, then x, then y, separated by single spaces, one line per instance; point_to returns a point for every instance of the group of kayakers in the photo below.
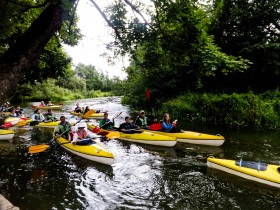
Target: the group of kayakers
pixel 39 117
pixel 82 137
pixel 7 110
pixel 143 122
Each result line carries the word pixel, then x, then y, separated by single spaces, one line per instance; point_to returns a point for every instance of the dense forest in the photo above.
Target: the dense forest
pixel 213 59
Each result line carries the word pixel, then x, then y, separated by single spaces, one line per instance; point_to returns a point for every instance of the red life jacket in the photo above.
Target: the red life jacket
pixel 82 134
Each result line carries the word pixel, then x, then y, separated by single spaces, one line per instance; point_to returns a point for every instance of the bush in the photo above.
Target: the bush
pixel 235 110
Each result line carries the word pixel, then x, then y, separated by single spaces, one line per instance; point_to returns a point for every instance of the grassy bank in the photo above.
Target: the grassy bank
pixel 235 110
pixel 48 90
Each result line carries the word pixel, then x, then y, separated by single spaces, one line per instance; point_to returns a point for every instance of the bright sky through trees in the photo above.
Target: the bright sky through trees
pixel 96 35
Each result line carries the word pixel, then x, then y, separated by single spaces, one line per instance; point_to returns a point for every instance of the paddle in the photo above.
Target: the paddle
pixel 38 148
pixel 96 129
pixel 88 113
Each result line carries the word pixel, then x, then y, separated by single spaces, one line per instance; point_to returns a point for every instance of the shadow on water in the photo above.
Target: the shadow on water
pixel 142 176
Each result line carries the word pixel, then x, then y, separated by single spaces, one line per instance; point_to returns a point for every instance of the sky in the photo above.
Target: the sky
pixel 95 35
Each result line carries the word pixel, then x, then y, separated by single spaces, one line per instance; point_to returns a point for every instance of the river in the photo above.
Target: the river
pixel 142 177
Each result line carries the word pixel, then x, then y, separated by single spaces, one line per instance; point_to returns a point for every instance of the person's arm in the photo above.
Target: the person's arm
pixel 33 117
pixel 138 122
pixel 42 118
pixel 166 127
pixel 92 135
pixel 122 127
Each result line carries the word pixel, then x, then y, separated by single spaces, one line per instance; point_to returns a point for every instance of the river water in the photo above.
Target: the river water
pixel 142 177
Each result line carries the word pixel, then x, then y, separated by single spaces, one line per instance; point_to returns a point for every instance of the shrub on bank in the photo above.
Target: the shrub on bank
pixel 236 110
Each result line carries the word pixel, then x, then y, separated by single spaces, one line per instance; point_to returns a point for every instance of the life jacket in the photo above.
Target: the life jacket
pixel 37 116
pixel 103 121
pixel 63 128
pixel 49 117
pixel 128 126
pixel 82 134
pixel 143 121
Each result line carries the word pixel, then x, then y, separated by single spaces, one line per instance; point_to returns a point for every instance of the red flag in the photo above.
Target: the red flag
pixel 148 94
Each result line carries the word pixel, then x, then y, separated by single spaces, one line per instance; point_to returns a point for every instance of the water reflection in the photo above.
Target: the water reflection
pixel 142 177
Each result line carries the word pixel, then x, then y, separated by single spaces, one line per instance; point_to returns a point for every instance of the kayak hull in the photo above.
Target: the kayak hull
pixel 54 107
pixel 48 124
pixel 94 152
pixel 6 134
pixel 95 115
pixel 149 138
pixel 270 176
pixel 195 138
pixel 145 138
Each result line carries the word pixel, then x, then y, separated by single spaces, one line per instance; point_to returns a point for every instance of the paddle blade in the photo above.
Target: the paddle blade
pixel 38 148
pixel 113 135
pixel 89 113
pixel 155 127
pixel 21 123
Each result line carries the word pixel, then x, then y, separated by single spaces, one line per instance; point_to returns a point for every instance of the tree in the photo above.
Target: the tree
pixel 250 29
pixel 177 55
pixel 22 54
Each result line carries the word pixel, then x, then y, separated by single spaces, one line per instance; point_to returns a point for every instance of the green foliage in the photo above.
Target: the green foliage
pixel 235 110
pixel 178 55
pixel 47 90
pixel 249 29
pixel 16 17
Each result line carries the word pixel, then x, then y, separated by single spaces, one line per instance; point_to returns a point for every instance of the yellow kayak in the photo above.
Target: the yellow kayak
pixel 259 172
pixel 145 137
pixel 55 107
pixel 95 115
pixel 95 152
pixel 52 124
pixel 48 124
pixel 6 134
pixel 195 137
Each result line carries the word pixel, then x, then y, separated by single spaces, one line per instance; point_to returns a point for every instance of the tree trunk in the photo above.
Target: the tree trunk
pixel 23 55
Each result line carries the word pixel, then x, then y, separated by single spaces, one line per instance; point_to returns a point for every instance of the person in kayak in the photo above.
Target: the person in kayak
pixel 63 128
pixel 106 123
pixel 142 120
pixel 167 126
pixel 13 113
pixel 37 116
pixel 78 109
pixel 42 103
pixel 49 116
pixel 19 111
pixel 86 109
pixel 128 127
pixel 49 103
pixel 81 136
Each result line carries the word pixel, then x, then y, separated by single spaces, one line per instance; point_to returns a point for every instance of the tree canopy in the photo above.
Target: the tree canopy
pixel 174 46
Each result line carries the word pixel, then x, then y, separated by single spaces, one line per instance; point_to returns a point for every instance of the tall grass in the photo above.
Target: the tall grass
pixel 235 110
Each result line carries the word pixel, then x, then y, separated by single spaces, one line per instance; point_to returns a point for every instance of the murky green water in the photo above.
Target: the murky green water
pixel 142 177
